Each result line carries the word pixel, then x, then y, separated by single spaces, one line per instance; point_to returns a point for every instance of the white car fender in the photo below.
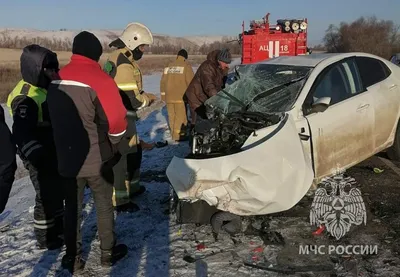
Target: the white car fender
pixel 271 175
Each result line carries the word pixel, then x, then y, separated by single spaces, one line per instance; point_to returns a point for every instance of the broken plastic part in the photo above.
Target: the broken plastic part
pixel 200 246
pixel 319 230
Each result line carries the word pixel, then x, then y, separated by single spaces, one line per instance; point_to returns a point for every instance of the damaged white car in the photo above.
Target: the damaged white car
pixel 282 125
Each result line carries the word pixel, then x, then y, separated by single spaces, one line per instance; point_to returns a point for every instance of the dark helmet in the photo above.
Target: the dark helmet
pixel 183 53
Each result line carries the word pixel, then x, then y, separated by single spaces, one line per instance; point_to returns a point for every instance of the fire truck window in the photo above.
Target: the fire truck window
pixel 372 71
pixel 333 85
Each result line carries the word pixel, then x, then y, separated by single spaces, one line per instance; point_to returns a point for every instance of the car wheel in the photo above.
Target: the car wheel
pixel 394 151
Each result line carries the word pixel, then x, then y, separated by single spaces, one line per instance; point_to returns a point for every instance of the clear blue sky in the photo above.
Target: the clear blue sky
pixel 191 17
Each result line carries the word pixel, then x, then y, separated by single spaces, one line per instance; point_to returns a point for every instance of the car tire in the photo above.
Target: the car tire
pixel 394 151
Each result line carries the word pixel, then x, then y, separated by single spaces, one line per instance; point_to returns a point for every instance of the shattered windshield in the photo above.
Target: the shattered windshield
pixel 266 88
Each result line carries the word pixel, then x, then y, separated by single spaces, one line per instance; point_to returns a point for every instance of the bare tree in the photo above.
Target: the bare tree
pixel 370 35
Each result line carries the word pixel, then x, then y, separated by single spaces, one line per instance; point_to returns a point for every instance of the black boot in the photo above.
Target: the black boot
pixel 110 257
pixel 51 245
pixel 127 208
pixel 141 190
pixel 73 264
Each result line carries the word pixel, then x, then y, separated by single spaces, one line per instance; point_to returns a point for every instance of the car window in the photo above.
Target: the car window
pixel 353 80
pixel 372 71
pixel 334 84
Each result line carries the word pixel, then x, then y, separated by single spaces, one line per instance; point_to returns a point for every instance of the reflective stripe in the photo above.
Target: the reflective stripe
pixel 42 222
pixel 70 83
pixel 174 69
pixel 59 213
pixel 176 102
pixel 28 145
pixel 31 150
pixel 31 146
pixel 143 105
pixel 128 86
pixel 43 227
pixel 120 193
pixel 117 135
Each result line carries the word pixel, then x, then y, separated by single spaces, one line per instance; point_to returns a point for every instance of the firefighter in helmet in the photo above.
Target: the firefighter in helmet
pixel 122 66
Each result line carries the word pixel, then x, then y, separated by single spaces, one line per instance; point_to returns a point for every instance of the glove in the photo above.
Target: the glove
pixel 151 97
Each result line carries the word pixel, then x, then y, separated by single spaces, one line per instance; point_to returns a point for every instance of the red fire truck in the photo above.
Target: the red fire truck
pixel 263 41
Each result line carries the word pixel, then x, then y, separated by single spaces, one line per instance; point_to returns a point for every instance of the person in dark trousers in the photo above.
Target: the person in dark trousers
pixel 8 163
pixel 208 80
pixel 34 139
pixel 89 123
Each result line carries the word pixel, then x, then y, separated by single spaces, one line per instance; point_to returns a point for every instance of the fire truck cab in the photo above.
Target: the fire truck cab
pixel 264 41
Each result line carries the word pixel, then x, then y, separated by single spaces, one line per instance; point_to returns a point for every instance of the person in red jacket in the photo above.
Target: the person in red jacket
pixel 89 123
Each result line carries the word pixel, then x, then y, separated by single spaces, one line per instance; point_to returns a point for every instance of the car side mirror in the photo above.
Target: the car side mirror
pixel 321 104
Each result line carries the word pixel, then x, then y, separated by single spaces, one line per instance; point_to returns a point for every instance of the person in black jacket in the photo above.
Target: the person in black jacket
pixel 33 136
pixel 8 163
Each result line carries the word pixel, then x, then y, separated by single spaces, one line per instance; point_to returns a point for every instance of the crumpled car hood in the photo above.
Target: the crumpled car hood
pixel 271 175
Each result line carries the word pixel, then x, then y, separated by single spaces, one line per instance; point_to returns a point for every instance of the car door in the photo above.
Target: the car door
pixel 342 135
pixel 377 78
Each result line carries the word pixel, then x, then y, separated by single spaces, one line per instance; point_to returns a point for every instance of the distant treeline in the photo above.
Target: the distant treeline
pixel 6 41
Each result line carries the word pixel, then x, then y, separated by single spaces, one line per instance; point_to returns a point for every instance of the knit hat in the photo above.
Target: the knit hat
pixel 224 56
pixel 183 53
pixel 88 45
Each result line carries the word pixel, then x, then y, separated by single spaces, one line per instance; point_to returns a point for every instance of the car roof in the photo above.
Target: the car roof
pixel 313 59
pixel 302 60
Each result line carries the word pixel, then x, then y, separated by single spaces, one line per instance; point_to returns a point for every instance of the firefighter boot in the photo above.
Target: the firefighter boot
pixel 122 199
pixel 110 257
pixel 54 244
pixel 73 264
pixel 129 207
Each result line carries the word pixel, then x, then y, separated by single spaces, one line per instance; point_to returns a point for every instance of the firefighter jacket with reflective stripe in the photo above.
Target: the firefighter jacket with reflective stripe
pixel 126 73
pixel 31 125
pixel 175 80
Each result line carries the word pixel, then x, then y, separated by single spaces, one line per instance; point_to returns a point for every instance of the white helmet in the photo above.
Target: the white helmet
pixel 136 34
